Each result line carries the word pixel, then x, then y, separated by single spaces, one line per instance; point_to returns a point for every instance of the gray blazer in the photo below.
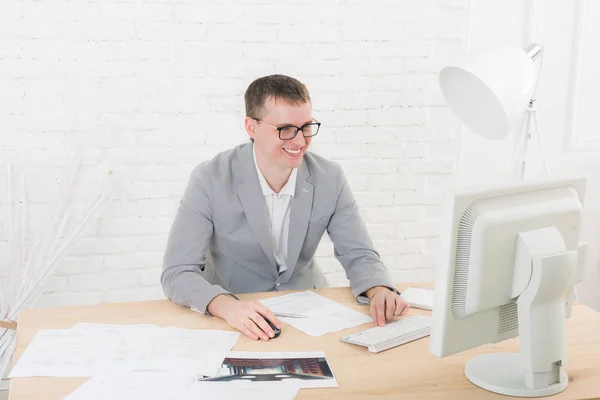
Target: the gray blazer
pixel 220 240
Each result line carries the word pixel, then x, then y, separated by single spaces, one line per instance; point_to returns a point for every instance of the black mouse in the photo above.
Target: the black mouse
pixel 277 331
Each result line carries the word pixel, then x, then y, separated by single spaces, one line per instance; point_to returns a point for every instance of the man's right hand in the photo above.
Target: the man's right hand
pixel 247 317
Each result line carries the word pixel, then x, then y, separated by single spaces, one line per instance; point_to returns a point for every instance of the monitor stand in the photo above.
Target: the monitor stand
pixel 539 369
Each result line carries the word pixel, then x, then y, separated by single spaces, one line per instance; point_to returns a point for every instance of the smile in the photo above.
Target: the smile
pixel 290 151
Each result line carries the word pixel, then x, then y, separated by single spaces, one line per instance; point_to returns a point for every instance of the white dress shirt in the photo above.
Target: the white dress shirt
pixel 278 213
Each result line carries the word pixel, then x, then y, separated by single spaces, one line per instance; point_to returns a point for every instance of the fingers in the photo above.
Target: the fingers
pixel 378 309
pixel 406 309
pixel 399 306
pixel 390 306
pixel 373 310
pixel 266 313
pixel 384 306
pixel 251 325
pixel 264 328
pixel 253 321
pixel 402 307
pixel 246 331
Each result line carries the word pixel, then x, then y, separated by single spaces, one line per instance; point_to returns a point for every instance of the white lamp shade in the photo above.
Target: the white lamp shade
pixel 490 91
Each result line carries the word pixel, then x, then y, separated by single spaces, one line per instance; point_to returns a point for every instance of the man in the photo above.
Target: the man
pixel 251 218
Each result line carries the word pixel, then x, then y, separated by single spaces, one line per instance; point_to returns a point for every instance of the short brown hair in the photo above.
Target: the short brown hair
pixel 277 86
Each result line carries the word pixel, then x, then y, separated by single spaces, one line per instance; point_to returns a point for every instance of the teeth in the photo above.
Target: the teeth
pixel 293 151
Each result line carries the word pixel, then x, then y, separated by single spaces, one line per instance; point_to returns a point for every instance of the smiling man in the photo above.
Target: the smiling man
pixel 251 218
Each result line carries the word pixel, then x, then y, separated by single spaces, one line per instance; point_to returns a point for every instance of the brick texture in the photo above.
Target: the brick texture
pixel 150 89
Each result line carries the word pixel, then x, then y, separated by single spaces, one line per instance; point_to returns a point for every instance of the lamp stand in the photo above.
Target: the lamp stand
pixel 529 119
pixel 520 156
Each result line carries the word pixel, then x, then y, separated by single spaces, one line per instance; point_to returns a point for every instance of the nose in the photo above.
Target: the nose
pixel 299 139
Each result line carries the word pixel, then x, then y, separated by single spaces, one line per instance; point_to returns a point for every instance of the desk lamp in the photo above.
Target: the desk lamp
pixel 492 91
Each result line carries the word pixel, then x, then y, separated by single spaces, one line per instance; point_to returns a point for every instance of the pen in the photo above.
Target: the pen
pixel 290 315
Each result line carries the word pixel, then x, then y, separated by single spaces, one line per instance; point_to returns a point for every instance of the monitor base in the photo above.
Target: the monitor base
pixel 503 373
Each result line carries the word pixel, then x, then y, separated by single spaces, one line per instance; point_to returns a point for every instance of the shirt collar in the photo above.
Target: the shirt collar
pixel 289 188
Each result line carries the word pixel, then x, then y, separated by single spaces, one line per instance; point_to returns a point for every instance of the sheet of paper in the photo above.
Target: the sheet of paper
pixel 64 353
pixel 176 349
pixel 149 385
pixel 324 315
pixel 146 385
pixel 303 369
pixel 419 297
pixel 92 349
pixel 227 391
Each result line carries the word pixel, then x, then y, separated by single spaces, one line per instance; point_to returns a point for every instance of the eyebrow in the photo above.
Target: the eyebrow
pixel 287 125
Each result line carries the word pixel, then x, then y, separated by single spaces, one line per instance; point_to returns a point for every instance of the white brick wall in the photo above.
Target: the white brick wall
pixel 150 89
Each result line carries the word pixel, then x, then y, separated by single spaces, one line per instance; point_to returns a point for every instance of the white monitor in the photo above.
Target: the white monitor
pixel 509 259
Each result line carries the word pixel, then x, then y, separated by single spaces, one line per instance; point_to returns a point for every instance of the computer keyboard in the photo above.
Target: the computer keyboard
pixel 393 334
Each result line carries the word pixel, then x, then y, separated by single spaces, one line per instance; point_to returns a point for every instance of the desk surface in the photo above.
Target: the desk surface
pixel 408 371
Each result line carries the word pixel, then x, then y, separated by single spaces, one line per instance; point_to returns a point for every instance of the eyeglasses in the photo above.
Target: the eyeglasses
pixel 289 132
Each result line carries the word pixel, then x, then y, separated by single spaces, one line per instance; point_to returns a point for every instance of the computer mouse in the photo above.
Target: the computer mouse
pixel 277 331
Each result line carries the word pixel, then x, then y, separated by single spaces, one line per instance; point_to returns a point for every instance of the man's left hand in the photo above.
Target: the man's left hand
pixel 386 304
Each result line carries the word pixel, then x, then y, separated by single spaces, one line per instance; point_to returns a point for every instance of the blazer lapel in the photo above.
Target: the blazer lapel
pixel 253 201
pixel 301 208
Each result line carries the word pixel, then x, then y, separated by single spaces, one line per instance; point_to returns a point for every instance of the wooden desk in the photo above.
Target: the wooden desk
pixel 407 371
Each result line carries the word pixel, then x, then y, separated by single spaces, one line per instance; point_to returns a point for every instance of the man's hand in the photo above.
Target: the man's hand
pixel 247 317
pixel 386 304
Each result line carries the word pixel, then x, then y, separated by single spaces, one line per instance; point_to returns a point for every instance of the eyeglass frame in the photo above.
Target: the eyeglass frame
pixel 298 128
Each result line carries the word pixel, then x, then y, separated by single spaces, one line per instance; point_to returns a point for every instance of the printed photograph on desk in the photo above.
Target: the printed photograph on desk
pixel 304 369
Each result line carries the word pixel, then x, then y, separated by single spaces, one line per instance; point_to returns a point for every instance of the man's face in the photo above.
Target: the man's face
pixel 281 154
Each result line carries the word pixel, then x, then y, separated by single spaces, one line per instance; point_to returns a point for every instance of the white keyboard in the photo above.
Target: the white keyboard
pixel 392 334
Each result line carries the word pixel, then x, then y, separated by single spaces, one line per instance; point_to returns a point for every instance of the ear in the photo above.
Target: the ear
pixel 250 126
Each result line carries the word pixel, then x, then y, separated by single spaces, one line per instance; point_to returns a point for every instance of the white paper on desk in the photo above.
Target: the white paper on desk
pixel 146 385
pixel 84 350
pixel 245 391
pixel 142 385
pixel 92 349
pixel 62 353
pixel 147 347
pixel 324 315
pixel 419 297
pixel 183 350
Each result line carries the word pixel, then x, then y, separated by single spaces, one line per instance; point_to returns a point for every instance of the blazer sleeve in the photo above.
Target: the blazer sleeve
pixel 353 246
pixel 185 255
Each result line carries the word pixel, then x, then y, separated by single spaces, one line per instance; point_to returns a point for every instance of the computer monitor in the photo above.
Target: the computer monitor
pixel 509 260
